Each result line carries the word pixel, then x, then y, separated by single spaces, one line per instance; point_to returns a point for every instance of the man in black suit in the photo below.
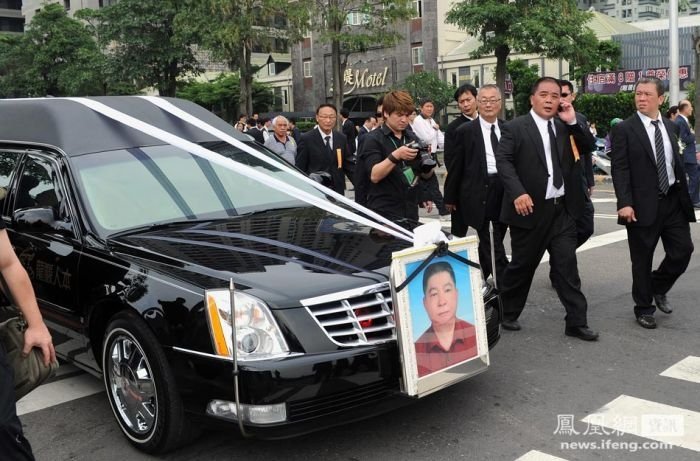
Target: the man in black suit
pixel 690 161
pixel 348 129
pixel 472 188
pixel 652 199
pixel 466 100
pixel 324 149
pixel 254 131
pixel 368 126
pixel 543 197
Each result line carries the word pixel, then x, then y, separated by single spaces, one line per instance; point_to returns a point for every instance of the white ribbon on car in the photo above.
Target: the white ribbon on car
pixel 191 119
pixel 238 167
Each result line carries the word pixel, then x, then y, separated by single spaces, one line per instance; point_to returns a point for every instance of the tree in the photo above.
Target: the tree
pixel 55 56
pixel 376 18
pixel 221 95
pixel 232 29
pixel 554 29
pixel 143 43
pixel 606 56
pixel 523 77
pixel 427 85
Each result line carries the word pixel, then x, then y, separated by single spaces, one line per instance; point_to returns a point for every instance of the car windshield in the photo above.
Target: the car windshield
pixel 137 187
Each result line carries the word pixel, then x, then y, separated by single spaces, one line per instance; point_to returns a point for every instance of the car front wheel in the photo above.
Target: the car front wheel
pixel 140 386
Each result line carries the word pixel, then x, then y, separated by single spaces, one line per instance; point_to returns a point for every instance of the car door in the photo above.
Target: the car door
pixel 50 255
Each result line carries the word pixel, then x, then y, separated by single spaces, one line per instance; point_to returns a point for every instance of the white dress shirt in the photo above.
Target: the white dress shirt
pixel 668 148
pixel 552 192
pixel 490 154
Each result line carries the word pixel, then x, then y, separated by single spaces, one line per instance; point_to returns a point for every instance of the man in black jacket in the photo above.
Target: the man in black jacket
pixel 324 149
pixel 652 199
pixel 473 189
pixel 543 196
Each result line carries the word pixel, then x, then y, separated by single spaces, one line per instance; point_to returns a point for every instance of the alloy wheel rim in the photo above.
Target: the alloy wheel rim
pixel 132 385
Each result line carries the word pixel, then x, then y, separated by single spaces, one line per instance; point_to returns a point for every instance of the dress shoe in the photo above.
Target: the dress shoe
pixel 662 304
pixel 647 321
pixel 511 325
pixel 584 333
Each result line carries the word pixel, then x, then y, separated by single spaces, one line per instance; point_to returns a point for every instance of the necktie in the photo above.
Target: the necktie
pixel 554 155
pixel 328 144
pixel 494 139
pixel 660 158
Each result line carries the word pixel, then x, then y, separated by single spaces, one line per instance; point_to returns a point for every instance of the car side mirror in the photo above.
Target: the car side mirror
pixel 38 219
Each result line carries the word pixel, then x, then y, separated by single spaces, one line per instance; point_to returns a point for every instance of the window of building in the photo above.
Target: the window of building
pixel 271 69
pixel 307 68
pixel 66 4
pixel 417 55
pixel 285 97
pixel 418 7
pixel 356 18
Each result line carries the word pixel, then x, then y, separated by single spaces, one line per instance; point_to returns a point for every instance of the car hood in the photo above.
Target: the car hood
pixel 281 256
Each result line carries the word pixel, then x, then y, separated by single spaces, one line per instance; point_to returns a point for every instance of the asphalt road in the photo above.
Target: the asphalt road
pixel 536 393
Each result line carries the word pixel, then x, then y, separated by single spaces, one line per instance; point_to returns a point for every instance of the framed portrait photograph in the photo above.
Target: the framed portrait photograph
pixel 441 325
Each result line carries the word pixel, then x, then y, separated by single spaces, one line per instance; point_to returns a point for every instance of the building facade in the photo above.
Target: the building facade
pixel 639 10
pixel 426 38
pixel 11 20
pixel 30 7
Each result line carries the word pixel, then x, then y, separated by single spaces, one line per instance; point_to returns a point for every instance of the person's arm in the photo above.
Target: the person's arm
pixel 620 171
pixel 685 134
pixel 302 159
pixel 505 163
pixel 37 334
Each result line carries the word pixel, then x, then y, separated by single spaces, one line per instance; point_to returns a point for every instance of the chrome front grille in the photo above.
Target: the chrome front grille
pixel 356 317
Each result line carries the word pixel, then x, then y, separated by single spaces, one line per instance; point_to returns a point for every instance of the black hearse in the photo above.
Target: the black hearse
pixel 131 243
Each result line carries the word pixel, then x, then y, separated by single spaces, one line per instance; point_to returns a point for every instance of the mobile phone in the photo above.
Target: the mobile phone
pixel 560 108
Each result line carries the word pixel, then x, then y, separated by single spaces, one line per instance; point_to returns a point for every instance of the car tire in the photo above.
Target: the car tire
pixel 141 387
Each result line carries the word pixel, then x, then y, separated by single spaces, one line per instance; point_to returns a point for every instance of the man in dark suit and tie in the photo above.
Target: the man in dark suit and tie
pixel 324 149
pixel 543 197
pixel 652 199
pixel 690 161
pixel 472 188
pixel 466 101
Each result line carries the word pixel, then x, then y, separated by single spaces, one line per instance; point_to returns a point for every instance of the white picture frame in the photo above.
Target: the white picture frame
pixel 429 360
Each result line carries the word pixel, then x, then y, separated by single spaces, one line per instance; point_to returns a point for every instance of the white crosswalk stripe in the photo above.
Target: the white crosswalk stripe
pixel 534 455
pixel 651 420
pixel 63 388
pixel 687 369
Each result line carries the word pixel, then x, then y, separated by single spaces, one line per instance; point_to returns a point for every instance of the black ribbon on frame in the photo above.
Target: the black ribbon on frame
pixel 442 249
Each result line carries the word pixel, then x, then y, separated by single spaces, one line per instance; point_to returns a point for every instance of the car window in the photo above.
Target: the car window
pixel 8 163
pixel 39 187
pixel 131 188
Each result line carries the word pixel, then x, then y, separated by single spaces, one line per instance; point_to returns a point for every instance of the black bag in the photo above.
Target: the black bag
pixel 30 371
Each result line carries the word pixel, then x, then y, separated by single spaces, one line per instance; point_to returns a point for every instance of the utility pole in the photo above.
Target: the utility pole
pixel 673 84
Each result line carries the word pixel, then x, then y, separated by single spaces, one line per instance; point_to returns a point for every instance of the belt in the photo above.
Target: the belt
pixel 556 201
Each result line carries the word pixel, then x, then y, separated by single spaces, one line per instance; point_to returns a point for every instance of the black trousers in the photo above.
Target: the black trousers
pixel 672 227
pixel 556 233
pixel 13 445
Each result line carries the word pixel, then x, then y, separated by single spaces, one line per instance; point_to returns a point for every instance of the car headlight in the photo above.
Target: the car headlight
pixel 257 334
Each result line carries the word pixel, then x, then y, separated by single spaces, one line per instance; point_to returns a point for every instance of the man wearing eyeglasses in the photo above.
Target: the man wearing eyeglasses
pixel 325 150
pixel 473 189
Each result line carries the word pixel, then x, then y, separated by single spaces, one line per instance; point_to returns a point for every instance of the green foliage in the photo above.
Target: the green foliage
pixel 328 19
pixel 523 77
pixel 606 56
pixel 221 95
pixel 143 43
pixel 554 29
pixel 602 108
pixel 55 56
pixel 230 29
pixel 427 85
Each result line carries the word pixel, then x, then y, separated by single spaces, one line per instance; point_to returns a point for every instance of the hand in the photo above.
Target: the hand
pixel 627 214
pixel 590 192
pixel 428 205
pixel 450 207
pixel 567 114
pixel 523 205
pixel 405 153
pixel 39 336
